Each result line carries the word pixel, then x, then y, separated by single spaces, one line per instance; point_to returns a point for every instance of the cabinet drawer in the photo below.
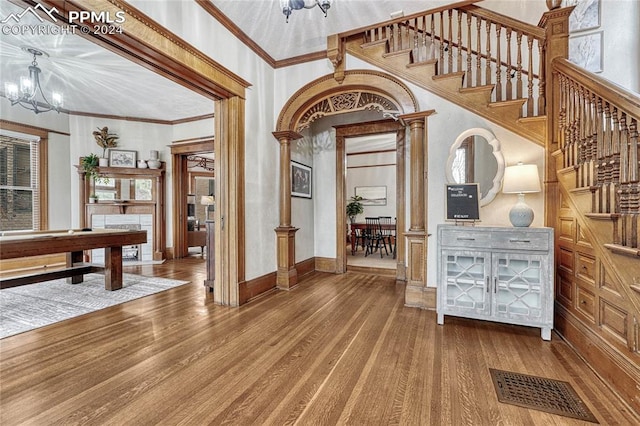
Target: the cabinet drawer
pixel 466 238
pixel 521 241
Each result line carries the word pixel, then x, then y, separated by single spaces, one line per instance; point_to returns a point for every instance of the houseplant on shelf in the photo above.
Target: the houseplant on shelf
pixel 90 167
pixel 105 140
pixel 354 208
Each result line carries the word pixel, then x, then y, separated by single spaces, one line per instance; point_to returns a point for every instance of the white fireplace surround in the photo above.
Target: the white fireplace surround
pixel 143 221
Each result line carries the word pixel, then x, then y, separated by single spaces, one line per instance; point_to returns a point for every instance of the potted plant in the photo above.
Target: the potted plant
pixel 105 140
pixel 354 208
pixel 89 165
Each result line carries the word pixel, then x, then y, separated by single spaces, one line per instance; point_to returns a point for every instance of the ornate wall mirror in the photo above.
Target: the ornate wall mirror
pixel 475 157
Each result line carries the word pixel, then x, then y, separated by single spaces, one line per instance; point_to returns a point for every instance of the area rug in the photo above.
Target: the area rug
pixel 540 393
pixel 36 305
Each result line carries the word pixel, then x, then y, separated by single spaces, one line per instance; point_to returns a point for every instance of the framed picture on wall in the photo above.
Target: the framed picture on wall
pixel 122 158
pixel 300 180
pixel 372 195
pixel 585 50
pixel 585 15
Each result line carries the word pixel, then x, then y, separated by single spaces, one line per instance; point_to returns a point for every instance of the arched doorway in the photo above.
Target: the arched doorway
pixel 359 90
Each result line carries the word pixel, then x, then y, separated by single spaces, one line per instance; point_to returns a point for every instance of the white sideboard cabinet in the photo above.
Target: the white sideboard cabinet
pixel 496 274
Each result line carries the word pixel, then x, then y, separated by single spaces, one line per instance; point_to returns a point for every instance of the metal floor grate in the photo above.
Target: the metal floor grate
pixel 539 393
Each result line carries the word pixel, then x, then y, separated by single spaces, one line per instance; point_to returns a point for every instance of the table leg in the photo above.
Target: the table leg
pixel 113 268
pixel 73 259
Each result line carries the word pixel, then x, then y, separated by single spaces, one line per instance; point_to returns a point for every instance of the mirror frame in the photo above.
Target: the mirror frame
pixel 495 146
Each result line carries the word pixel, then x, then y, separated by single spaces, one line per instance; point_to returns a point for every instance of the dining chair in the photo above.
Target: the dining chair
pixel 388 233
pixel 360 237
pixel 374 237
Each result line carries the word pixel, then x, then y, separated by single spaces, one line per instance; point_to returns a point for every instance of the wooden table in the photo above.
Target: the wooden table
pixel 73 243
pixel 363 225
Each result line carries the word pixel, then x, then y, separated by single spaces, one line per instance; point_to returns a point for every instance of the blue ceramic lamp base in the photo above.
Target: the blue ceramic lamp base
pixel 521 215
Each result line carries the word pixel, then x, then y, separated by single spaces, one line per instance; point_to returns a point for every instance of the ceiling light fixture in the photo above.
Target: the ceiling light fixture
pixel 289 6
pixel 26 93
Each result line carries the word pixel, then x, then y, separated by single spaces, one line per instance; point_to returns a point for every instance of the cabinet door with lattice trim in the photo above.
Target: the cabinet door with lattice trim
pixel 465 276
pixel 518 287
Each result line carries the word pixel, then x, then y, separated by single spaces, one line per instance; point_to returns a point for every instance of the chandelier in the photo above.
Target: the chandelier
pixel 290 5
pixel 26 94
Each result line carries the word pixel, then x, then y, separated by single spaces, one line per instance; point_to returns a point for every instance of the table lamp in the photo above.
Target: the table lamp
pixel 521 179
pixel 206 201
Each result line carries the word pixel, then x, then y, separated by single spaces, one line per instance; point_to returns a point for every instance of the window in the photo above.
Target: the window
pixel 19 181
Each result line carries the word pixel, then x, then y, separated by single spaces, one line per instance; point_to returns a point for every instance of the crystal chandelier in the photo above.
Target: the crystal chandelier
pixel 26 94
pixel 290 5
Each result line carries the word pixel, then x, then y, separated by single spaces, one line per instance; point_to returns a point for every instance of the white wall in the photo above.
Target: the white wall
pixel 133 136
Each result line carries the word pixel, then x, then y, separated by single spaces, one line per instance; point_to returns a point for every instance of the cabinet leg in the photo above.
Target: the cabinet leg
pixel 440 319
pixel 546 333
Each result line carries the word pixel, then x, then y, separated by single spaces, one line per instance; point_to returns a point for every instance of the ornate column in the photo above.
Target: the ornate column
pixel 416 293
pixel 287 275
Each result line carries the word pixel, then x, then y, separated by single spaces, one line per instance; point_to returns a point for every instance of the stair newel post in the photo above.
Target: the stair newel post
pixel 416 293
pixel 556 45
pixel 287 275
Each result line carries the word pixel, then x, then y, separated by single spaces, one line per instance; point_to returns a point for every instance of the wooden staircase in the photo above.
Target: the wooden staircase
pixel 517 76
pixel 414 48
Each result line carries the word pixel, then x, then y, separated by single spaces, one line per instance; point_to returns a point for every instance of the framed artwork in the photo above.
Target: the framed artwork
pixel 585 16
pixel 300 180
pixel 585 50
pixel 121 158
pixel 372 195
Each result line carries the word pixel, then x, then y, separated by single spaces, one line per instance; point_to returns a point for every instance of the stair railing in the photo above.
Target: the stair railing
pixel 487 47
pixel 598 136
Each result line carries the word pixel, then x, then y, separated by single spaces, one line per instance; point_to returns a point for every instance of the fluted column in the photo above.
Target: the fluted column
pixel 287 275
pixel 416 293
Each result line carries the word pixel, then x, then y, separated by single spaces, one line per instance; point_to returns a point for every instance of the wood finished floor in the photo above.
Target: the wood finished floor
pixel 339 349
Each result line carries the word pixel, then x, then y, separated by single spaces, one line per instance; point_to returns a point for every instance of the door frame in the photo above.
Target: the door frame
pixel 180 184
pixel 365 129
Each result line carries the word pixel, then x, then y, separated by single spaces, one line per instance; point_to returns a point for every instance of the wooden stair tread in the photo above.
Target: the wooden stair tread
pixel 635 288
pixel 396 53
pixel 423 63
pixel 486 88
pixel 620 249
pixel 582 189
pixel 456 75
pixel 374 43
pixel 509 103
pixel 567 170
pixel 603 216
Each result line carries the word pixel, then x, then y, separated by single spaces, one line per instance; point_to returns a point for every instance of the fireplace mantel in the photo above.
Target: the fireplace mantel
pixel 154 207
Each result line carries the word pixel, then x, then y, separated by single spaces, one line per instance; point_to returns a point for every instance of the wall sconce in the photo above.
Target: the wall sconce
pixel 521 179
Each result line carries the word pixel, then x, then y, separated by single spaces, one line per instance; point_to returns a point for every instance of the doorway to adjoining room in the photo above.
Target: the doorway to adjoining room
pixel 371 182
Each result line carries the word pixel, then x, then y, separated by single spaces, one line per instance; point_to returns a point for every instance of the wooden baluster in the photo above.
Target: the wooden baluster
pixel 584 151
pixel 468 46
pixel 607 155
pixel 634 173
pixel 593 135
pixel 615 159
pixel 478 51
pixel 562 121
pixel 460 41
pixel 415 52
pixel 407 43
pixel 542 82
pixel 519 65
pixel 530 77
pixel 450 40
pixel 499 63
pixel 431 52
pixel 601 178
pixel 487 72
pixel 509 67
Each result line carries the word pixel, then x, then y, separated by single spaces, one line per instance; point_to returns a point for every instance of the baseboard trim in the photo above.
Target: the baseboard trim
pixel 616 370
pixel 249 290
pixel 326 264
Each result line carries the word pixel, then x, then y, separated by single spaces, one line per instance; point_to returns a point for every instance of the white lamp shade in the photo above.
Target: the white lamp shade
pixel 520 179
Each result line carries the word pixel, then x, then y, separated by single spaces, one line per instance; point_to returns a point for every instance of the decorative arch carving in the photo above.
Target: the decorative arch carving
pixel 360 90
